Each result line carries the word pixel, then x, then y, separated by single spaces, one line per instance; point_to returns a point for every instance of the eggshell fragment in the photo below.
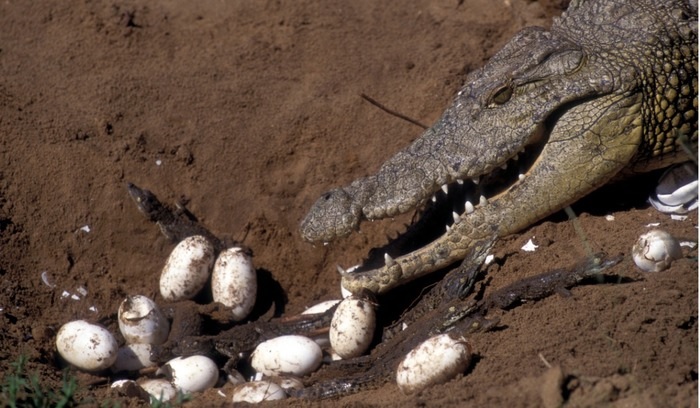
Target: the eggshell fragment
pixel 258 391
pixel 133 357
pixel 141 321
pixel 191 374
pixel 187 269
pixel 352 327
pixel 435 361
pixel 87 346
pixel 655 250
pixel 234 282
pixel 297 355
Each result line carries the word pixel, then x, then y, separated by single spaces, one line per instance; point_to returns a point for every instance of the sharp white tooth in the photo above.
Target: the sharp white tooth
pixel 444 188
pixel 447 228
pixel 483 200
pixel 434 199
pixel 455 217
pixel 468 207
pixel 521 177
pixel 515 157
pixel 504 165
pixel 476 181
pixel 460 182
pixel 388 260
pixel 340 270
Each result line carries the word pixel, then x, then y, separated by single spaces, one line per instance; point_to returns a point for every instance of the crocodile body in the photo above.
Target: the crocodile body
pixel 610 89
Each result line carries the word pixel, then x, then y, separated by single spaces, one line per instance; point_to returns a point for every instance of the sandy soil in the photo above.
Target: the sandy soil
pixel 249 111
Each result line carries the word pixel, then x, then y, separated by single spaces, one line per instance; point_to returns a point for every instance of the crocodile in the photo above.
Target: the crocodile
pixel 608 91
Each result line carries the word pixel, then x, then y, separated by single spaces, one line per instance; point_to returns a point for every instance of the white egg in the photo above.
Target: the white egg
pixel 258 391
pixel 321 307
pixel 234 282
pixel 352 327
pixel 435 361
pixel 141 321
pixel 159 388
pixel 133 357
pixel 87 346
pixel 655 250
pixel 297 355
pixel 187 269
pixel 191 374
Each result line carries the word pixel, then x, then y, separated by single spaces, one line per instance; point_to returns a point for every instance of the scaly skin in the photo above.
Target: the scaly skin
pixel 608 88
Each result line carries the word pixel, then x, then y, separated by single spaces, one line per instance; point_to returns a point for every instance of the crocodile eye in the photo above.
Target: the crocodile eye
pixel 501 95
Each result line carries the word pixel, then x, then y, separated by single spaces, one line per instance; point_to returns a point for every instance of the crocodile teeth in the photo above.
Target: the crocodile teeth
pixel 460 182
pixel 483 200
pixel 455 217
pixel 434 199
pixel 388 260
pixel 521 177
pixel 341 270
pixel 504 166
pixel 444 188
pixel 468 207
pixel 447 228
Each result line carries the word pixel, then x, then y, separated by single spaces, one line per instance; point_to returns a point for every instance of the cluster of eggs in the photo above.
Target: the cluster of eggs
pixel 92 347
pixel 283 359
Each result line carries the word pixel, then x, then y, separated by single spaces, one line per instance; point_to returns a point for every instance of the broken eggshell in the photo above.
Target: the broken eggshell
pixel 655 250
pixel 677 191
pixel 435 361
pixel 258 391
pixel 352 327
pixel 141 321
pixel 187 269
pixel 191 374
pixel 234 282
pixel 87 346
pixel 292 354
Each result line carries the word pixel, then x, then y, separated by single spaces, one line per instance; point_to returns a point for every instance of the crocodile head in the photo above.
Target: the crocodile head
pixel 551 117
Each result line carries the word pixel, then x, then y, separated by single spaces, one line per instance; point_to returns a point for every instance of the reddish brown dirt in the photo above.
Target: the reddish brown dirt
pixel 250 110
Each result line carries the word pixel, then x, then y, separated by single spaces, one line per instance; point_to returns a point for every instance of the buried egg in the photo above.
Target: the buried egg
pixel 159 389
pixel 655 250
pixel 435 361
pixel 141 321
pixel 133 357
pixel 191 374
pixel 352 327
pixel 234 283
pixel 296 355
pixel 187 269
pixel 258 391
pixel 87 346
